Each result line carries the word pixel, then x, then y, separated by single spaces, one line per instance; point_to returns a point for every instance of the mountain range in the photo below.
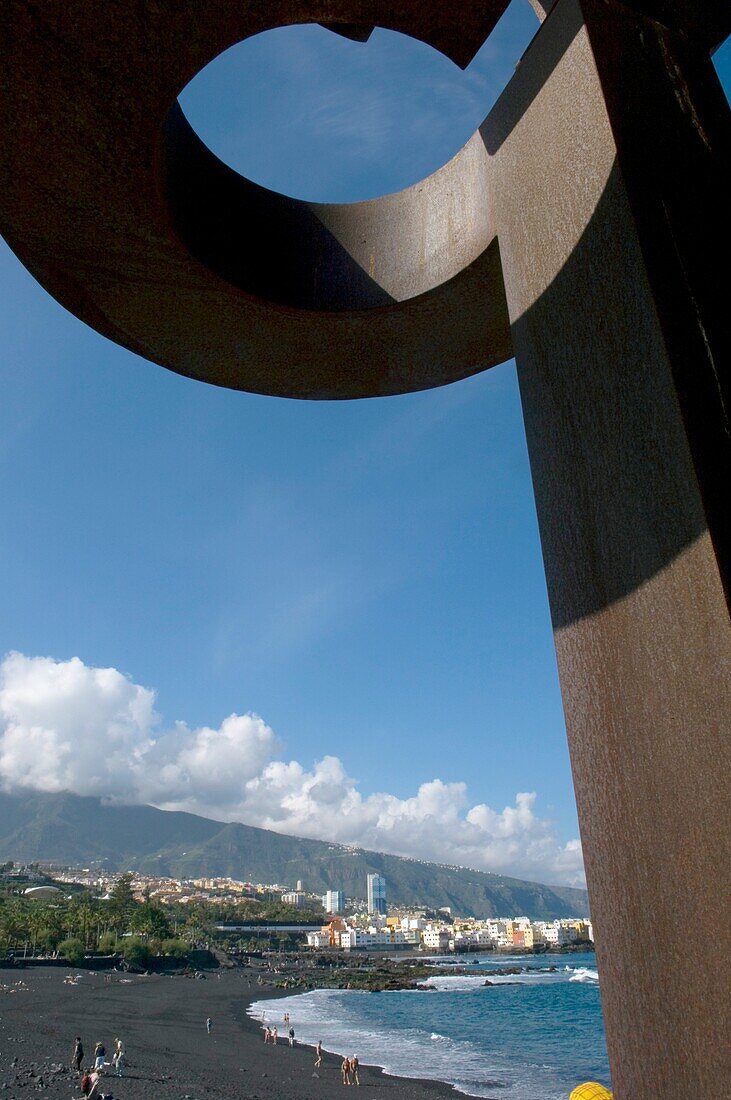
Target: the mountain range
pixel 72 830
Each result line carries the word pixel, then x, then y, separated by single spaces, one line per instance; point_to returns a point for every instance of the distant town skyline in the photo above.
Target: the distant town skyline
pixel 368 925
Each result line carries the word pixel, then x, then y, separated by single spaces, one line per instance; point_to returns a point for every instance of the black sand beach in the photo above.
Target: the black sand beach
pixel 169 1055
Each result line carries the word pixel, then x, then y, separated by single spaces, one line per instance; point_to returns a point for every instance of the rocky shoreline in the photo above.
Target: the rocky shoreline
pixel 300 972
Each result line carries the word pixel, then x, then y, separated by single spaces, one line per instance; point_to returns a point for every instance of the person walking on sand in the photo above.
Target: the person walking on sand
pixel 118 1056
pixel 275 1036
pixel 78 1056
pixel 209 1025
pixel 354 1064
pixel 100 1057
pixel 318 1054
pixel 345 1071
pixel 291 1036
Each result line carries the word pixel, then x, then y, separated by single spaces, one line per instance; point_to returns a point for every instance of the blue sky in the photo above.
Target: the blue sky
pixel 363 576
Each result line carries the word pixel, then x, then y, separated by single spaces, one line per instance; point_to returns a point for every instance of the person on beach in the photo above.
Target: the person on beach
pixel 354 1063
pixel 118 1056
pixel 89 1084
pixel 318 1053
pixel 78 1056
pixel 275 1036
pixel 291 1036
pixel 266 1034
pixel 100 1056
pixel 345 1070
pixel 209 1025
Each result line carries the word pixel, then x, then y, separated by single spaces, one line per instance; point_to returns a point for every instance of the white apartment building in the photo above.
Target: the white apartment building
pixel 295 898
pixel 555 935
pixel 333 901
pixel 436 939
pixel 410 924
pixel 499 931
pixel 318 939
pixel 480 937
pixel 373 939
pixel 376 939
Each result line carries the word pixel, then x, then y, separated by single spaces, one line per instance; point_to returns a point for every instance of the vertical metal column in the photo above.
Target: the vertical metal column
pixel 607 321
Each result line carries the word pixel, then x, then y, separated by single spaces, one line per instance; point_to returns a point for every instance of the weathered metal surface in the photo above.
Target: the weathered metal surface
pixel 579 226
pixel 641 623
pixel 112 202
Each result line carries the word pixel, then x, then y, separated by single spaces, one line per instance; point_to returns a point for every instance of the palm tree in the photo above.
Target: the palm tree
pixel 12 924
pixel 36 921
pixel 85 915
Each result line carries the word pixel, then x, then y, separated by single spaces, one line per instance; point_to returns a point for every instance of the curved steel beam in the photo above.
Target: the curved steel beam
pixel 120 211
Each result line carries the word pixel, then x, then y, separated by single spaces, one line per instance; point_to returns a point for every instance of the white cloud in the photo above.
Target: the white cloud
pixel 66 726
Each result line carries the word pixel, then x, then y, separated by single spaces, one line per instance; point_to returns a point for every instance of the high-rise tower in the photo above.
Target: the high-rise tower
pixel 376 894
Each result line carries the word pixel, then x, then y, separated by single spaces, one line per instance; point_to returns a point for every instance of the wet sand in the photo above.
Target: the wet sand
pixel 169 1056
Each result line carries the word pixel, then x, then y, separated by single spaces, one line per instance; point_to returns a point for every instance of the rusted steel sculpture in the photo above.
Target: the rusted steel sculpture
pixel 582 229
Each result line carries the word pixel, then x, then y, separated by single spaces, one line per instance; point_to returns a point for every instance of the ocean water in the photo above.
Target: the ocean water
pixel 530 1036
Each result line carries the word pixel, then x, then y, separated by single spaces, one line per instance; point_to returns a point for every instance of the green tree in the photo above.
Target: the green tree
pixel 107 943
pixel 82 919
pixel 73 950
pixel 47 939
pixel 36 921
pixel 136 952
pixel 122 897
pixel 149 919
pixel 70 922
pixel 176 947
pixel 12 924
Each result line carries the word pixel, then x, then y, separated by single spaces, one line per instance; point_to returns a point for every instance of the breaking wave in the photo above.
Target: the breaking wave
pixel 583 974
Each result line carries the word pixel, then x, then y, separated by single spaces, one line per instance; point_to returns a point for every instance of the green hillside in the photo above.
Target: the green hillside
pixel 67 829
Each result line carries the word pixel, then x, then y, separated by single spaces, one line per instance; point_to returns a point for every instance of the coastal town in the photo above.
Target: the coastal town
pixel 116 956
pixel 331 921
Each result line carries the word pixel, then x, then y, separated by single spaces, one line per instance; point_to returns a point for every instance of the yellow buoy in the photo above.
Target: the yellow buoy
pixel 590 1090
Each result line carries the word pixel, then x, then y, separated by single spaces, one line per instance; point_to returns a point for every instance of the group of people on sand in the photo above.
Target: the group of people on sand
pixel 13 987
pixel 91 1077
pixel 349 1070
pixel 271 1034
pixel 349 1067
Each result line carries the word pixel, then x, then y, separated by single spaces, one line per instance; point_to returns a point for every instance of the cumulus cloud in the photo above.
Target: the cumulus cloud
pixel 66 726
